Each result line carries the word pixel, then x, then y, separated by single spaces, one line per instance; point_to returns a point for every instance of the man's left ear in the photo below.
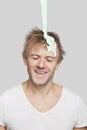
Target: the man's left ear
pixel 57 65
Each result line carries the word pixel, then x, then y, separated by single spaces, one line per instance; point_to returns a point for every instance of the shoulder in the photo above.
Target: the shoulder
pixel 10 93
pixel 72 98
pixel 71 94
pixel 77 107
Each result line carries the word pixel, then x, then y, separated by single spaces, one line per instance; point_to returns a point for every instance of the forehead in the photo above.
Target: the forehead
pixel 40 49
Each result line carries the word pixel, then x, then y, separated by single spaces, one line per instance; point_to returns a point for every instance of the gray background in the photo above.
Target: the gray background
pixel 67 18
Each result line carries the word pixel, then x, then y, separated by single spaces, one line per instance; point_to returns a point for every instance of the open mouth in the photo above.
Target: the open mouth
pixel 40 72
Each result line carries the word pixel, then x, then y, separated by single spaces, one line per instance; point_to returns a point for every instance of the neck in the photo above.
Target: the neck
pixel 42 90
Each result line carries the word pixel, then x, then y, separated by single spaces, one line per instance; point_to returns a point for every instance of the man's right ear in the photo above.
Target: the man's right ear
pixel 24 60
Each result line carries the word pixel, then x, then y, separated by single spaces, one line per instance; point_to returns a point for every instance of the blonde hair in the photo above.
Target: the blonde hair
pixel 36 36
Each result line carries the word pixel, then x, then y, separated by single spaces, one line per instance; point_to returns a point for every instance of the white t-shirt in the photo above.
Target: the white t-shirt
pixel 17 113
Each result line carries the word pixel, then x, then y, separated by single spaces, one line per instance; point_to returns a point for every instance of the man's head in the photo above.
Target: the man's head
pixel 37 36
pixel 41 64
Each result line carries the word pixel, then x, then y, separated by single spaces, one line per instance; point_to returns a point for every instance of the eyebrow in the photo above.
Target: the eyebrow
pixel 34 55
pixel 52 57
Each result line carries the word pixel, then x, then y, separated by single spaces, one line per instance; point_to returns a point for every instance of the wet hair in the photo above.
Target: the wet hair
pixel 36 35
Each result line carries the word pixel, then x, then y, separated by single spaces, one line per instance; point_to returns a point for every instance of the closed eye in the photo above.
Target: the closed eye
pixel 49 59
pixel 35 57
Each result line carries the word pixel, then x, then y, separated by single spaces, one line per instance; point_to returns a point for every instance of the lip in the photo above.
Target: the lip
pixel 40 72
pixel 40 75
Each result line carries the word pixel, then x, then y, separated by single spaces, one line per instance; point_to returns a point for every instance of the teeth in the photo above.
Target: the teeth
pixel 40 72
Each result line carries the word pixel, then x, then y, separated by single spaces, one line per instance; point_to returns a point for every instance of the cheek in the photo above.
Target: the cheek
pixel 52 66
pixel 31 64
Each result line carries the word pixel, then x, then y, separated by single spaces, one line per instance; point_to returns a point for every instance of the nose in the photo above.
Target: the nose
pixel 41 63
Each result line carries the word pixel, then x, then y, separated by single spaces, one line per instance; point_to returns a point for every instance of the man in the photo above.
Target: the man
pixel 39 103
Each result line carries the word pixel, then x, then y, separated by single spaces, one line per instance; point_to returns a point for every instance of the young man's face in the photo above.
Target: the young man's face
pixel 41 64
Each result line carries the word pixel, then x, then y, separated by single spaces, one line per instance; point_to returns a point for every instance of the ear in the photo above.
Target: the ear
pixel 57 65
pixel 24 60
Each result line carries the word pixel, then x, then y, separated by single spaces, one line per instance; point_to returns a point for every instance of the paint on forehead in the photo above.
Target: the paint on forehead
pixel 41 48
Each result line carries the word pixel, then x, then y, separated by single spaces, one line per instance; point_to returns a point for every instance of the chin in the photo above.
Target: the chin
pixel 39 83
